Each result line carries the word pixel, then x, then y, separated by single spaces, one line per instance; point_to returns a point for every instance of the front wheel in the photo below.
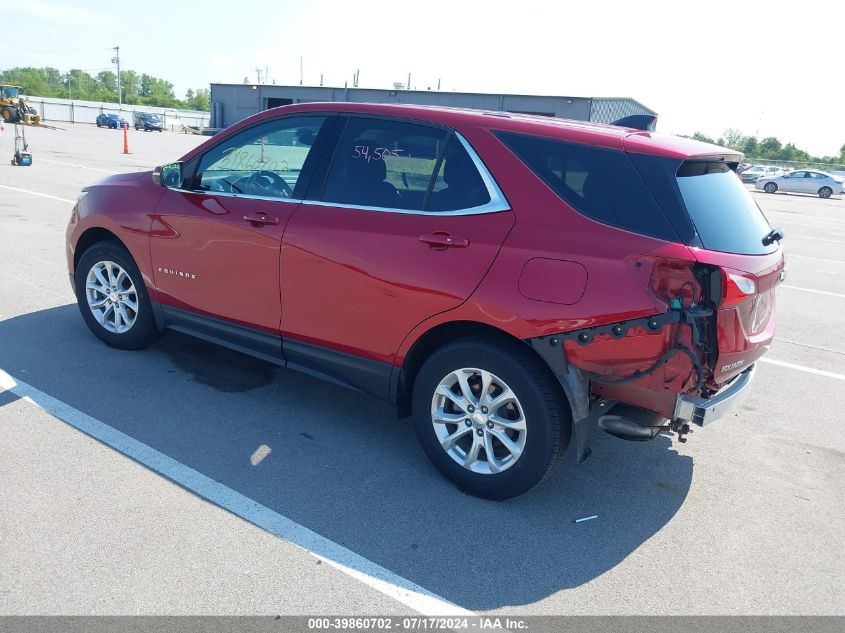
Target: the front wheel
pixel 490 416
pixel 112 297
pixel 770 187
pixel 825 192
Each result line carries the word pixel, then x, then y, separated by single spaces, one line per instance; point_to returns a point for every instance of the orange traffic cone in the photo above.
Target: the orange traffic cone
pixel 125 138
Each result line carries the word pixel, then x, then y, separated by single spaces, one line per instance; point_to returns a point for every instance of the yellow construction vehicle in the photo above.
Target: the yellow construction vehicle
pixel 14 109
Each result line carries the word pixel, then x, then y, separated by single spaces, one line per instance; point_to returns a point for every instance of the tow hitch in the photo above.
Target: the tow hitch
pixel 680 428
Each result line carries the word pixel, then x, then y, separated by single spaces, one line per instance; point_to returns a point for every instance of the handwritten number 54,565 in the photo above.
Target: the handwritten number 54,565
pixel 379 153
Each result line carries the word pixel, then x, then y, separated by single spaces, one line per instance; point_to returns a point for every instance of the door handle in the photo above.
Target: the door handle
pixel 440 240
pixel 260 218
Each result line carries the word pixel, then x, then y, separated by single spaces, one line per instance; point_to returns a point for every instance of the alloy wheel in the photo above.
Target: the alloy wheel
pixel 478 421
pixel 111 297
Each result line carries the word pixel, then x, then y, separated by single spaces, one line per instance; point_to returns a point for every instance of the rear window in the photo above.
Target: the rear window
pixel 599 183
pixel 725 215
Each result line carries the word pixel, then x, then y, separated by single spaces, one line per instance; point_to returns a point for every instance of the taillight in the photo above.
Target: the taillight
pixel 737 287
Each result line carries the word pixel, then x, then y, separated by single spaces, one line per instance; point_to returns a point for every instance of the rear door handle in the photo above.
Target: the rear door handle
pixel 440 240
pixel 260 218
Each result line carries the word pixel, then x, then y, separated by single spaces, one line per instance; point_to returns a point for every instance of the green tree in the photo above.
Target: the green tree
pixel 199 99
pixel 733 137
pixel 34 81
pixel 770 147
pixel 107 81
pixel 130 84
pixel 698 136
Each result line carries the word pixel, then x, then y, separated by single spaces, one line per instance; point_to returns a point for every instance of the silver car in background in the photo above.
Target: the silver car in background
pixel 810 181
pixel 758 171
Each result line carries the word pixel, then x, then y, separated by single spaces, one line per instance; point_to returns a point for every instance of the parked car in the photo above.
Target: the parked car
pixel 810 181
pixel 758 171
pixel 113 121
pixel 508 281
pixel 147 121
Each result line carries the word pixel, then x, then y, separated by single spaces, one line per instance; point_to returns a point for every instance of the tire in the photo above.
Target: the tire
pixel 539 402
pixel 142 330
pixel 825 192
pixel 10 114
pixel 98 124
pixel 770 187
pixel 137 128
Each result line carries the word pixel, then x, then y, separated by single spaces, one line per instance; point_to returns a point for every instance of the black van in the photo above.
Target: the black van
pixel 148 121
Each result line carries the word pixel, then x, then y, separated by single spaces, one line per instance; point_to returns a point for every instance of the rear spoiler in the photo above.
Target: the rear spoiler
pixel 645 122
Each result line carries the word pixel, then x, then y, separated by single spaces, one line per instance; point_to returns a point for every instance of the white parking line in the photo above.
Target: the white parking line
pixel 809 370
pixel 818 239
pixel 56 162
pixel 815 259
pixel 342 559
pixel 818 292
pixel 35 193
pixel 110 156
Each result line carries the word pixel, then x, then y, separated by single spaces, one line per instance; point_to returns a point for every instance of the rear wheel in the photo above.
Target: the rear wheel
pixel 825 192
pixel 112 297
pixel 490 416
pixel 770 187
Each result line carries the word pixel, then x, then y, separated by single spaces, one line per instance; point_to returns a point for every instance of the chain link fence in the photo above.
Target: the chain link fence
pixel 72 111
pixel 832 168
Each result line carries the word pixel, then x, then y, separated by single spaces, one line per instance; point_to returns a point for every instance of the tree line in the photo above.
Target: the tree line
pixel 769 148
pixel 136 89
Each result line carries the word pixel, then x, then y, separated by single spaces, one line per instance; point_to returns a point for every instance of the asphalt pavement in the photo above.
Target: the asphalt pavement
pixel 209 482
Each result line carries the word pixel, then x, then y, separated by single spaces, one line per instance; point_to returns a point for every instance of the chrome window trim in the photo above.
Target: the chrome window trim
pixel 226 194
pixel 497 203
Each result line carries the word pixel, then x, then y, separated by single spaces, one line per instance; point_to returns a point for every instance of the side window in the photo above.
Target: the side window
pixel 381 163
pixel 458 184
pixel 599 183
pixel 265 160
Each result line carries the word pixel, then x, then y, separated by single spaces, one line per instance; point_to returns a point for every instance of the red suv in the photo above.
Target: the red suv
pixel 510 280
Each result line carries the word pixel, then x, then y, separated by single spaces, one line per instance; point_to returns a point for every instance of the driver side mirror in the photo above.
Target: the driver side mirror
pixel 168 175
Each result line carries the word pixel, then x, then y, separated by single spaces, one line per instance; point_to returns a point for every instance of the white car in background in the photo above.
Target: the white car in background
pixel 811 181
pixel 758 171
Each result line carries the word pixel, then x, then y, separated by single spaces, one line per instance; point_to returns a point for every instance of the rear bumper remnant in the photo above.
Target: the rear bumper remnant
pixel 703 411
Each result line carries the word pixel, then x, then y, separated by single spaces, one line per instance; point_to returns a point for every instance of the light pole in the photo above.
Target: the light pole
pixel 116 60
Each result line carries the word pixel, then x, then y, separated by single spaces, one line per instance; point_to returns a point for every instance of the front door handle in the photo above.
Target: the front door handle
pixel 260 218
pixel 440 240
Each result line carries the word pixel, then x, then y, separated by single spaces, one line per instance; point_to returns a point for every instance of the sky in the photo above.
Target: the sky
pixel 773 68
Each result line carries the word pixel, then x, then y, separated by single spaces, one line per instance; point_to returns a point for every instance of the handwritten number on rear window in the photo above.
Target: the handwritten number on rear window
pixel 379 153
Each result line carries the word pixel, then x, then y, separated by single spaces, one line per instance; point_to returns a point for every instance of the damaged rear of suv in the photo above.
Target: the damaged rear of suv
pixel 685 264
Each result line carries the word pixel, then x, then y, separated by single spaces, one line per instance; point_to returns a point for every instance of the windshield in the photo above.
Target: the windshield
pixel 11 92
pixel 152 118
pixel 725 215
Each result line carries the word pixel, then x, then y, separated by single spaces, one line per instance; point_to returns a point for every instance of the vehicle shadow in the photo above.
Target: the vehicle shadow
pixel 340 464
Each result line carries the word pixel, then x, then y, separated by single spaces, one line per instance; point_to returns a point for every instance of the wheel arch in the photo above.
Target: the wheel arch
pixel 403 377
pixel 92 236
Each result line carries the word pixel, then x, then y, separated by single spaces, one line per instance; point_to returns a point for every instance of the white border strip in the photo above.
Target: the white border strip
pixel 342 559
pixel 35 193
pixel 809 370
